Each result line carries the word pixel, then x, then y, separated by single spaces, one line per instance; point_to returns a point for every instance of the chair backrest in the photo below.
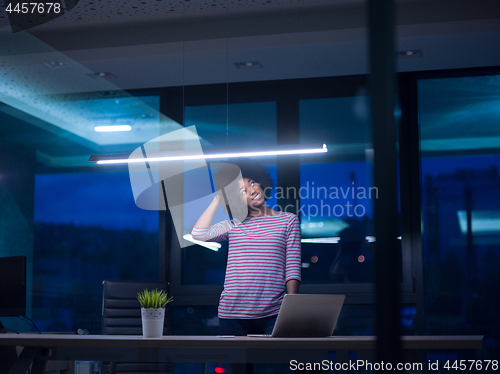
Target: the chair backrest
pixel 121 311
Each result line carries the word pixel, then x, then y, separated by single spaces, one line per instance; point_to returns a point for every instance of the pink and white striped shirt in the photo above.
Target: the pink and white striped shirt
pixel 264 253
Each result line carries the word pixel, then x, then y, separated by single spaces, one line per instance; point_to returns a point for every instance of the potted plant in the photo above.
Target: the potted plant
pixel 153 312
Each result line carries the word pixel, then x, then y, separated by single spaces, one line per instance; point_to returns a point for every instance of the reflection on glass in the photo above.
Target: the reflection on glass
pixel 461 203
pixel 336 192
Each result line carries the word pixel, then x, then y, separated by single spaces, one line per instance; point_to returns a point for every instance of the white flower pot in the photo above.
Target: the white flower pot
pixel 152 322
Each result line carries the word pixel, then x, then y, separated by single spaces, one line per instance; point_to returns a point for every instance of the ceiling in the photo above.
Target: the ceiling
pixel 161 43
pixel 157 43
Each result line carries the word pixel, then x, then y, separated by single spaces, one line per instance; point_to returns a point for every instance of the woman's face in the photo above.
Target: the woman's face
pixel 252 193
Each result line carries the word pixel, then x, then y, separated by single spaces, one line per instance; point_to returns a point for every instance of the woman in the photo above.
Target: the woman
pixel 263 259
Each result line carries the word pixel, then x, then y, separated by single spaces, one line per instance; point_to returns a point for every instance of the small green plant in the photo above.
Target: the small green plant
pixel 153 299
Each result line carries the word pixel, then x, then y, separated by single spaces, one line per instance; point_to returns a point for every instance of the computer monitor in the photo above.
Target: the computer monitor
pixel 12 287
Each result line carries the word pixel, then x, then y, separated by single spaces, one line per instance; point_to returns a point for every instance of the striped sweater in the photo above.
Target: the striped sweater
pixel 264 253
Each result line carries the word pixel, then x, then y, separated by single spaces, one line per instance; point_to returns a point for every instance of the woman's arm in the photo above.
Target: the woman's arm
pixel 293 256
pixel 206 218
pixel 292 286
pixel 202 229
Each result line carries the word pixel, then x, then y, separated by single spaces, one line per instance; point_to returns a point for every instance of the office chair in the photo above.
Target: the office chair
pixel 121 315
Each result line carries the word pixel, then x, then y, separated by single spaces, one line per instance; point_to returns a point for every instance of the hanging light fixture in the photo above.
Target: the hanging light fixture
pixel 196 153
pixel 278 150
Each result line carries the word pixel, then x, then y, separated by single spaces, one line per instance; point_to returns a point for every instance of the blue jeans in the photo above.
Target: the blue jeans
pixel 241 327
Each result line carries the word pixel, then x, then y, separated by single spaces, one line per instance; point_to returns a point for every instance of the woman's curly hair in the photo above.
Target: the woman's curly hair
pixel 249 169
pixel 253 170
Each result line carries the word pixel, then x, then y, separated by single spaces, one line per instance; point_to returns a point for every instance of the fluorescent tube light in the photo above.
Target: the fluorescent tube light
pixel 212 154
pixel 112 128
pixel 210 245
pixel 336 239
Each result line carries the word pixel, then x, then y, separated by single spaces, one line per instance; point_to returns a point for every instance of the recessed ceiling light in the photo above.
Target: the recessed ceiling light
pixel 248 65
pixel 55 64
pixel 109 94
pixel 410 53
pixel 102 74
pixel 112 128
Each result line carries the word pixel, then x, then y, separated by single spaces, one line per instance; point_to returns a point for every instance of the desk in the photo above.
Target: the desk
pixel 38 348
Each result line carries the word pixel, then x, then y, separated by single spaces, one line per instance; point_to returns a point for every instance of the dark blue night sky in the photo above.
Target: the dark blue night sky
pixel 90 199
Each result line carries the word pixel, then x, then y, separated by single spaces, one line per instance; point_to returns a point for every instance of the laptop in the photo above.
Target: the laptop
pixel 307 316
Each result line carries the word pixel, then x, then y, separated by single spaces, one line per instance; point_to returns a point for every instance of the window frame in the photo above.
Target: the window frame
pixel 286 94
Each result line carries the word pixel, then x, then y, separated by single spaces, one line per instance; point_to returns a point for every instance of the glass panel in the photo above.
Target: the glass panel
pixel 460 159
pixel 87 229
pixel 337 191
pixel 76 222
pixel 234 125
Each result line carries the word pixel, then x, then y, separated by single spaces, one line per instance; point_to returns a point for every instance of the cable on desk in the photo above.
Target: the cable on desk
pixel 24 318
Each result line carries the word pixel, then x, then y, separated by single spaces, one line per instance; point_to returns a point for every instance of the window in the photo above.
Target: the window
pixel 336 192
pixel 87 229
